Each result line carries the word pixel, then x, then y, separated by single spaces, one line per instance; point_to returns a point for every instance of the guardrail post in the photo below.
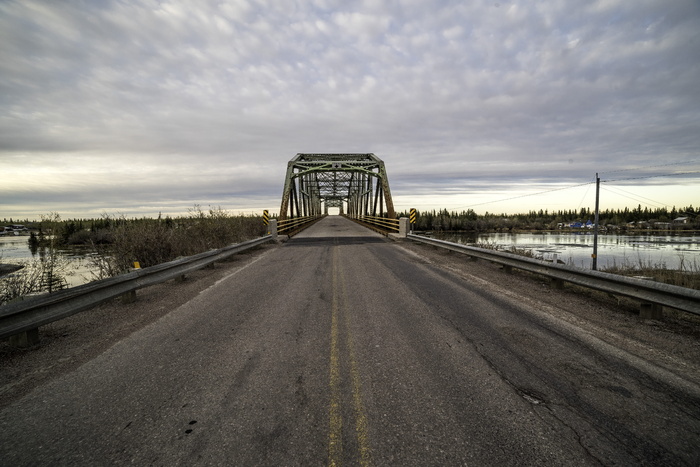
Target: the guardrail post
pixel 557 283
pixel 648 310
pixel 273 228
pixel 404 227
pixel 128 297
pixel 25 339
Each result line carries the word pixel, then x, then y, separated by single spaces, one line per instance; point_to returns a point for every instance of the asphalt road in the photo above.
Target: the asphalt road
pixel 340 348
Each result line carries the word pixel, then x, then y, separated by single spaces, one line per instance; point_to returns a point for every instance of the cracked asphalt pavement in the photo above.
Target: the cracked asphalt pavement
pixel 342 347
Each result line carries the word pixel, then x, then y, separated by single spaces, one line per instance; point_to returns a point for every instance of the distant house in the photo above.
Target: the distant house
pixel 14 229
pixel 638 225
pixel 681 220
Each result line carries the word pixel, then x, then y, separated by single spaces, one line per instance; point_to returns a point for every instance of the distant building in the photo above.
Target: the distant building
pixel 681 220
pixel 14 229
pixel 638 225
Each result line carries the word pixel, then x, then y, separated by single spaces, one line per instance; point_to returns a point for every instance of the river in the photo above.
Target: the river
pixel 658 251
pixel 78 268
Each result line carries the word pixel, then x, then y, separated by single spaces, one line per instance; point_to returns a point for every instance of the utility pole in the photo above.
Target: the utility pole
pixel 594 265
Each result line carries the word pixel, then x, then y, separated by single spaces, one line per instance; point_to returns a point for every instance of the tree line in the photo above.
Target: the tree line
pixel 543 219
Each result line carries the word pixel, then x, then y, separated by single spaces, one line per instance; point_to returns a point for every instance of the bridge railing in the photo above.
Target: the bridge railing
pixel 384 224
pixel 651 294
pixel 28 315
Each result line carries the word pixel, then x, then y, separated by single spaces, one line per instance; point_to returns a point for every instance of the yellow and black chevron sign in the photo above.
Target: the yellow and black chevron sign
pixel 266 217
pixel 412 217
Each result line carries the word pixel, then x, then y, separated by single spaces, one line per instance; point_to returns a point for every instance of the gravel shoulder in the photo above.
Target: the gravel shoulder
pixel 673 343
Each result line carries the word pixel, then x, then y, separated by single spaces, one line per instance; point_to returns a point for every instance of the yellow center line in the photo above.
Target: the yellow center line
pixel 360 417
pixel 361 425
pixel 335 443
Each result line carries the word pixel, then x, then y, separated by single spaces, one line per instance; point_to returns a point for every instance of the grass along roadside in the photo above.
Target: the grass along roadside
pixel 687 276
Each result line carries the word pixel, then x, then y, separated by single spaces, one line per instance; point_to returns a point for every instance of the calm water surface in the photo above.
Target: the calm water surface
pixel 15 250
pixel 669 251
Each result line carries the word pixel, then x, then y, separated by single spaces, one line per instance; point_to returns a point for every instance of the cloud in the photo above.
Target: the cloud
pixel 191 97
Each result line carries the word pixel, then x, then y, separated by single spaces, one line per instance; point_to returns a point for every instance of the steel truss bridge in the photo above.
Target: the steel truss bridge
pixel 356 184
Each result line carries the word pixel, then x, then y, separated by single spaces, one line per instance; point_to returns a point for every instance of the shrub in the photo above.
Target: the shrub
pixel 155 241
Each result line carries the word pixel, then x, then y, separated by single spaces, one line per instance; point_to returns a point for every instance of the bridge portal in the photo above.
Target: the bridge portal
pixel 357 184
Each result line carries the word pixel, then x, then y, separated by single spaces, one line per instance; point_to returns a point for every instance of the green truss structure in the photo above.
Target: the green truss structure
pixel 357 184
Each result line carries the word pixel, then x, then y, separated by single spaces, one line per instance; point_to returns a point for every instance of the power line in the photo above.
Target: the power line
pixel 638 198
pixel 524 196
pixel 603 181
pixel 635 195
pixel 583 198
pixel 649 176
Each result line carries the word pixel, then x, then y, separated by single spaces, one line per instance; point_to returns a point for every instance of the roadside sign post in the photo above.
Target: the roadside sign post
pixel 412 219
pixel 266 219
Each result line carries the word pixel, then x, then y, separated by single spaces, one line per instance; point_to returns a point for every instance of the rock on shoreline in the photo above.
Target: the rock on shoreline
pixel 9 268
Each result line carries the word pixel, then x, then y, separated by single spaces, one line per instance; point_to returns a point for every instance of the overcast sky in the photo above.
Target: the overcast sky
pixel 136 107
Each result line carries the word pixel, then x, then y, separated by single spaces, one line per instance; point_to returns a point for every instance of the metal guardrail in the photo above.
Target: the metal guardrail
pixel 384 223
pixel 287 225
pixel 33 312
pixel 657 293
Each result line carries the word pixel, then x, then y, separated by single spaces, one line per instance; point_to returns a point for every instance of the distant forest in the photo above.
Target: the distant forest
pixel 81 230
pixel 622 219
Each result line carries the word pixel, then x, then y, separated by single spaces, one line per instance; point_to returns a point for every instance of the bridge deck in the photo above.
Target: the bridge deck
pixel 337 227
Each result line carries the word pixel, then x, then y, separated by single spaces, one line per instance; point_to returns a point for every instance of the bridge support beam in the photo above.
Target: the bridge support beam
pixel 356 181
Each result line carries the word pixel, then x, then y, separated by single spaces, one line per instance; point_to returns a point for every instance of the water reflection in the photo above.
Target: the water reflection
pixel 18 250
pixel 669 251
